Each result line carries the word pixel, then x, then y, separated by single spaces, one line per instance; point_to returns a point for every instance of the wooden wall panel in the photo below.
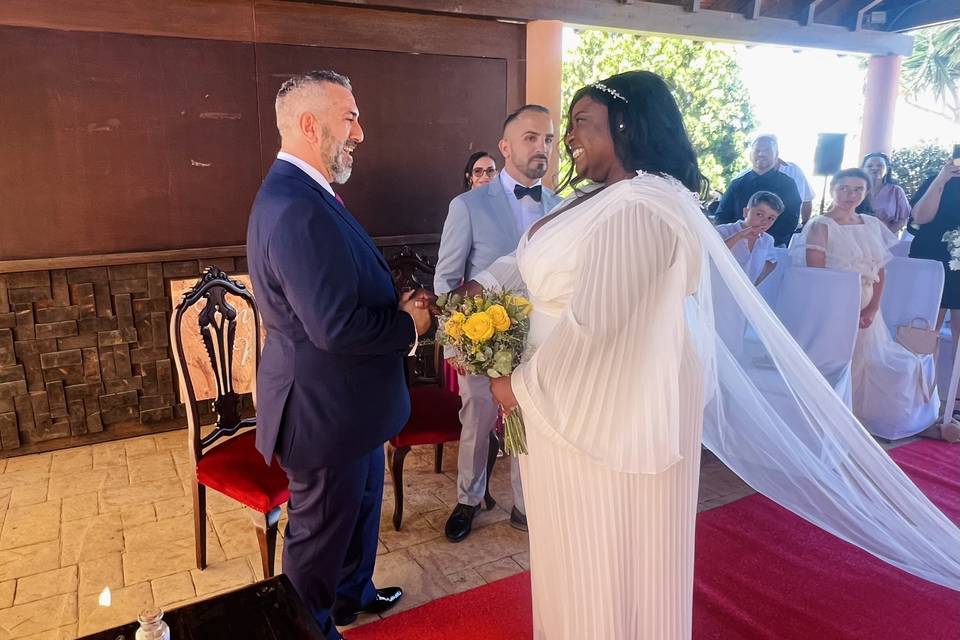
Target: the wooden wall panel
pixel 286 22
pixel 422 116
pixel 126 142
pixel 213 19
pixel 123 143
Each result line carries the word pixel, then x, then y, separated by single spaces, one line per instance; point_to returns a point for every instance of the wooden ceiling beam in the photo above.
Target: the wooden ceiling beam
pixel 810 13
pixel 658 18
pixel 920 13
pixel 863 11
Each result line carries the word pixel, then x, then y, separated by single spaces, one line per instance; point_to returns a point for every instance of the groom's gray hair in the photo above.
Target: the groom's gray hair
pixel 291 93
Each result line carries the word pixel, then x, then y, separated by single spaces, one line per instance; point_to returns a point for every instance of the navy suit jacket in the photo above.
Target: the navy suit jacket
pixel 331 382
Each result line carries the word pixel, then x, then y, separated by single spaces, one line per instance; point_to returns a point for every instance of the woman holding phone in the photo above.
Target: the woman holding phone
pixel 936 210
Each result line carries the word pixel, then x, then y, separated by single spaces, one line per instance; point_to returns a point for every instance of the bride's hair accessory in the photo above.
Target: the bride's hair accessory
pixel 613 92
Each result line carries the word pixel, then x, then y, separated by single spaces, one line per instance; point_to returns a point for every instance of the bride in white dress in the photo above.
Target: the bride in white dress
pixel 625 370
pixel 612 393
pixel 892 386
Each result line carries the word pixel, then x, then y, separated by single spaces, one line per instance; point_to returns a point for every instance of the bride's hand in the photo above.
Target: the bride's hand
pixel 867 316
pixel 503 394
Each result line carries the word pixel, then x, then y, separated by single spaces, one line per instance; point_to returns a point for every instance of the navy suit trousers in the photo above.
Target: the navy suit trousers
pixel 330 542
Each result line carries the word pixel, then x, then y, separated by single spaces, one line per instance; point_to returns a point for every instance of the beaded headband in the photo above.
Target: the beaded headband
pixel 612 92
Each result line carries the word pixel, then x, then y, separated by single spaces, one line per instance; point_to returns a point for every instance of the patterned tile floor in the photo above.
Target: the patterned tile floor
pixel 119 514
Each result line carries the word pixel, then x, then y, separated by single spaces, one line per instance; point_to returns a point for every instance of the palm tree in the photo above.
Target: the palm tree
pixel 934 68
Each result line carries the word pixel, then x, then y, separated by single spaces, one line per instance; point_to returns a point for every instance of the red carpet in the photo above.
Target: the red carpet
pixel 761 573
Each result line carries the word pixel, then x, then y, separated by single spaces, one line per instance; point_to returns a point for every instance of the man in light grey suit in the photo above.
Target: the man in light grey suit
pixel 483 225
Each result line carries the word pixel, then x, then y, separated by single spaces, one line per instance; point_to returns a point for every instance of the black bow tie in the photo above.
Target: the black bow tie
pixel 535 192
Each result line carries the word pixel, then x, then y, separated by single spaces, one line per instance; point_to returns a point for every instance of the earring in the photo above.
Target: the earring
pixel 621 127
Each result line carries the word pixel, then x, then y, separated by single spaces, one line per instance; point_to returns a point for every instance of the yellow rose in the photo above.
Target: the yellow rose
pixel 453 327
pixel 499 317
pixel 521 303
pixel 479 327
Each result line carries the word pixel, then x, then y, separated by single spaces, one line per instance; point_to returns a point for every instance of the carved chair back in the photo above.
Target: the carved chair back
pixel 217 323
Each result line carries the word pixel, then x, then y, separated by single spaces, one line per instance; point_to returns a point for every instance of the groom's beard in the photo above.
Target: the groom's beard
pixel 339 158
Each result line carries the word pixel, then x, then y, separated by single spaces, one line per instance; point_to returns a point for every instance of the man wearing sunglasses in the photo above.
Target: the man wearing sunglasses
pixel 482 225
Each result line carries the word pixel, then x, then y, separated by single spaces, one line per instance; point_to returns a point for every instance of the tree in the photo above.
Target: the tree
pixel 705 81
pixel 934 69
pixel 911 165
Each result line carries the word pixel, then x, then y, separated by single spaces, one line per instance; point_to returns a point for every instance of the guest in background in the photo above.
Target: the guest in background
pixel 763 176
pixel 480 170
pixel 799 178
pixel 481 226
pixel 936 210
pixel 748 239
pixel 890 383
pixel 803 186
pixel 888 202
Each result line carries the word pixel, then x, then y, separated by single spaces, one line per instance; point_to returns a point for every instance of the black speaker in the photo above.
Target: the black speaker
pixel 829 155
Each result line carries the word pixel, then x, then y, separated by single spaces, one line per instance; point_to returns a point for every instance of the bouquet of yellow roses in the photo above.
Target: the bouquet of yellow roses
pixel 488 332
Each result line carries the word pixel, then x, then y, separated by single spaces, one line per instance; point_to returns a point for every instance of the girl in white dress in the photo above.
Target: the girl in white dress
pixel 891 385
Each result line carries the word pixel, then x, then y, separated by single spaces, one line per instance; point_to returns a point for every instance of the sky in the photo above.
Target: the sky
pixel 797 94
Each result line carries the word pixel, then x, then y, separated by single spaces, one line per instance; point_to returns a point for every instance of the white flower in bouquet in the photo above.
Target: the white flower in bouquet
pixel 952 239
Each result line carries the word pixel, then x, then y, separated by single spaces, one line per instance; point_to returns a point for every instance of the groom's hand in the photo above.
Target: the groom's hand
pixel 427 300
pixel 418 310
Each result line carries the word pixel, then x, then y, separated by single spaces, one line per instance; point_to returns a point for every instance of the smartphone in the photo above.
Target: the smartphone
pixel 956 154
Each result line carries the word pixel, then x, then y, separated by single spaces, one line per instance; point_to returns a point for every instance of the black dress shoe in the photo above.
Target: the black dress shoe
pixel 385 600
pixel 518 520
pixel 460 522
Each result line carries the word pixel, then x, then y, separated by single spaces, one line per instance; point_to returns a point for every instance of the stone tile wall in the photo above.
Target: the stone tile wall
pixel 84 349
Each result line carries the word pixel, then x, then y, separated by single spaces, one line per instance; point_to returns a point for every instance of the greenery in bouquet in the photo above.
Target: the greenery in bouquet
pixel 488 333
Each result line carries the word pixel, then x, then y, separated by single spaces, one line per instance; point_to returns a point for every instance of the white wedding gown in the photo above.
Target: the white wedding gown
pixel 611 510
pixel 624 368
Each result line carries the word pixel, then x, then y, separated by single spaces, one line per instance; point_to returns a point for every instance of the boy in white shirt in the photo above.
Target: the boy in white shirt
pixel 748 239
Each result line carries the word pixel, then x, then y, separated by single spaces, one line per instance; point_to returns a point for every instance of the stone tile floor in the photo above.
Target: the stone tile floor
pixel 119 515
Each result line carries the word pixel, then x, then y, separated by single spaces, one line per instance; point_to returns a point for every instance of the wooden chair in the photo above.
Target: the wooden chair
pixel 434 410
pixel 233 467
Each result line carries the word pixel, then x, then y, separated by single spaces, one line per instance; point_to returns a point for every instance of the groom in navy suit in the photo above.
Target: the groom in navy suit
pixel 330 388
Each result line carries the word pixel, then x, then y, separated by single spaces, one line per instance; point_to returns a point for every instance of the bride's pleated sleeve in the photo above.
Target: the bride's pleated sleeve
pixel 503 274
pixel 606 379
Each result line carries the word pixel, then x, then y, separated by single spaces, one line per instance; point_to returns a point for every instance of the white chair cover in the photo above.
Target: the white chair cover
pixel 912 291
pixel 821 310
pixel 901 249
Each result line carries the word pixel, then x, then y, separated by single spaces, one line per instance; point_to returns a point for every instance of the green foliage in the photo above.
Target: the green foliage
pixel 705 81
pixel 934 68
pixel 911 165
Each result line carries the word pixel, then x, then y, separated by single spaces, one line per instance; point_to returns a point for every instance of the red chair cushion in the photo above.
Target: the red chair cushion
pixel 236 469
pixel 434 418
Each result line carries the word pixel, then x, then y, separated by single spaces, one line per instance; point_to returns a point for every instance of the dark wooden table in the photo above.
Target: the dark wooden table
pixel 266 610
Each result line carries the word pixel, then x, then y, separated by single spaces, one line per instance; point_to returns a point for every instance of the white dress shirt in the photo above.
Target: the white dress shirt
pixel 308 169
pixel 752 260
pixel 311 171
pixel 525 211
pixel 803 185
